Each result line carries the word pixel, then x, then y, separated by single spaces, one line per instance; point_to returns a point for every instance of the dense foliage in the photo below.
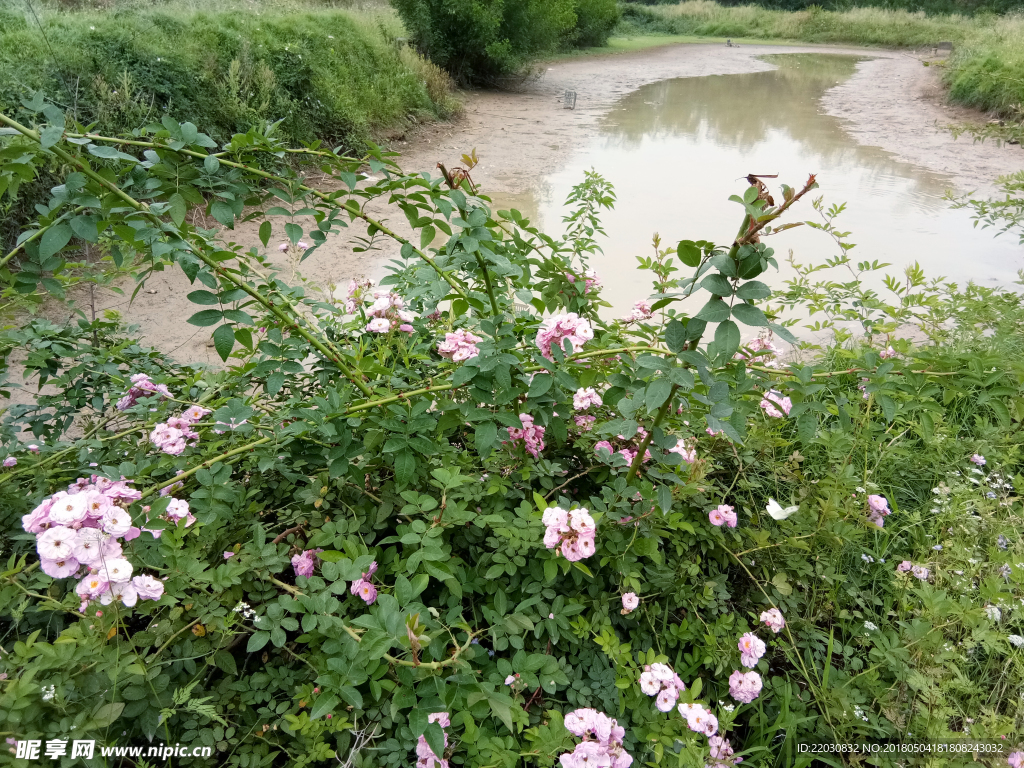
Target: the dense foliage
pixel 421 519
pixel 486 41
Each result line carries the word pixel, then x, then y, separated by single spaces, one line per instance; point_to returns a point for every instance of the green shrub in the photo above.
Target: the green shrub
pixel 487 40
pixel 595 20
pixel 355 525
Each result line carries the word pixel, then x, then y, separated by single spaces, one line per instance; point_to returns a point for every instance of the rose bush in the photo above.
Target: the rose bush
pixel 482 535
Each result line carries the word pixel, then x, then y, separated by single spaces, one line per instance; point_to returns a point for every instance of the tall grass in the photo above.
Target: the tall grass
pixel 328 73
pixel 986 69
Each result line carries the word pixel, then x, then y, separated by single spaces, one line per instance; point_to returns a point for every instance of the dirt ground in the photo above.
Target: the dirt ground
pixel 892 101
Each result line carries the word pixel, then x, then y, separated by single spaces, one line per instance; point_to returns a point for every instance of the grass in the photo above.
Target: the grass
pixel 985 71
pixel 327 72
pixel 625 43
pixel 337 74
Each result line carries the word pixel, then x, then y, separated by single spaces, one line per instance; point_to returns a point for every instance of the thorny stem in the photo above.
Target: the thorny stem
pixel 208 463
pixel 847 371
pixel 419 664
pixel 487 282
pixel 327 198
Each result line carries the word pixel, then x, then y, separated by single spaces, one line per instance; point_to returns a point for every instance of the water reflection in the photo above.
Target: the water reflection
pixel 675 151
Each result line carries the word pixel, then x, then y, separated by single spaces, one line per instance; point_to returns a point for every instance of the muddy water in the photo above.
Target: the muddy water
pixel 675 151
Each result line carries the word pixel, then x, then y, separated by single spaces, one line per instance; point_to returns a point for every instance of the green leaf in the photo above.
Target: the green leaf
pixel 109 153
pixel 540 385
pixel 86 228
pixel 265 230
pixel 405 467
pixel 665 498
pixel 427 235
pixel 688 253
pixel 715 311
pixel 274 382
pixel 211 164
pixel 54 114
pixel 178 209
pixel 257 640
pixel 222 212
pixel 225 662
pixel 502 709
pixel 403 590
pixel 657 393
pixel 782 332
pixel 494 571
pixel 717 284
pixel 753 289
pixel 293 231
pixel 418 721
pixel 278 637
pixel 807 427
pixel 202 297
pixel 106 714
pixel 324 705
pixel 434 734
pixel 205 318
pixel 748 314
pixel 51 135
pixel 486 435
pixel 727 338
pixel 53 239
pixel 675 336
pixel 223 341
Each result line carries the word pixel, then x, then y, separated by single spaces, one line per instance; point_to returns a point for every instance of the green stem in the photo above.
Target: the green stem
pixel 421 665
pixel 327 198
pixel 52 457
pixel 662 412
pixel 144 209
pixel 206 464
pixel 171 639
pixel 487 282
pixel 40 233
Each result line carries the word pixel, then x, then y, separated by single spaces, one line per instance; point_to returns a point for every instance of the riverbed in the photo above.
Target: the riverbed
pixel 675 129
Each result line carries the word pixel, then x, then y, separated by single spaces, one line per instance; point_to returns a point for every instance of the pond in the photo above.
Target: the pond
pixel 677 149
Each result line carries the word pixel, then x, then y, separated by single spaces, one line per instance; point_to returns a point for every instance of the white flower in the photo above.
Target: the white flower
pixel 118 570
pixel 869 626
pixel 648 684
pixel 116 521
pixel 1016 640
pixel 69 509
pixel 56 543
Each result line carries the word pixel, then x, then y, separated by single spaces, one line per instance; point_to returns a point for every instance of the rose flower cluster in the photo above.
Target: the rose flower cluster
pixel 80 529
pixel 602 741
pixel 574 532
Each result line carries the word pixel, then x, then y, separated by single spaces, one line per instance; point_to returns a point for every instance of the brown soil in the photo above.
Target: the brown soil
pixel 892 101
